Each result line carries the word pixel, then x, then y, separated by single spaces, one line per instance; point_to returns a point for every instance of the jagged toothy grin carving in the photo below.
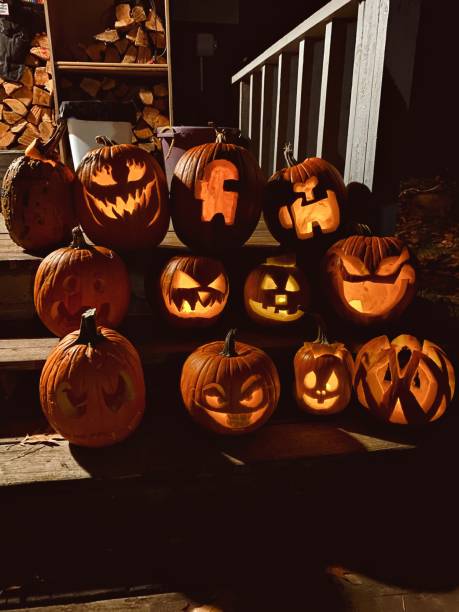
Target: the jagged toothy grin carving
pixel 193 303
pixel 279 312
pixel 236 420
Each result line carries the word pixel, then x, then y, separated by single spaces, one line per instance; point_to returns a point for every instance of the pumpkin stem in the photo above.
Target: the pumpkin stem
pixel 88 329
pixel 78 241
pixel 229 348
pixel 105 142
pixel 220 136
pixel 361 229
pixel 321 330
pixel 45 150
pixel 288 155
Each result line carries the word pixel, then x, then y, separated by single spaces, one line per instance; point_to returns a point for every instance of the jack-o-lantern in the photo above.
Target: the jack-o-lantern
pixel 229 387
pixel 92 389
pixel 369 279
pixel 216 196
pixel 193 290
pixel 38 196
pixel 276 292
pixel 124 196
pixel 304 200
pixel 323 376
pixel 402 381
pixel 72 279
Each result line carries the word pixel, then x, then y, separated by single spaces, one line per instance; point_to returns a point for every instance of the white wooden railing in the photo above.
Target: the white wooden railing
pixel 319 87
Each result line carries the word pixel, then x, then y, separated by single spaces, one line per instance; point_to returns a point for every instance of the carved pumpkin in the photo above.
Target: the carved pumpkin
pixel 38 196
pixel 193 290
pixel 124 196
pixel 403 381
pixel 323 376
pixel 276 292
pixel 229 387
pixel 216 196
pixel 369 279
pixel 304 200
pixel 92 389
pixel 72 279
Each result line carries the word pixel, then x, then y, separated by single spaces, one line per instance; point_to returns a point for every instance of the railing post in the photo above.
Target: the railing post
pixel 280 131
pixel 266 118
pixel 244 92
pixel 254 111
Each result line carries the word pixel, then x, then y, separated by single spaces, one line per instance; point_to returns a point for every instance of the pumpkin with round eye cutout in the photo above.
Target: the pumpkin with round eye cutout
pixel 38 196
pixel 193 290
pixel 403 381
pixel 229 387
pixel 323 376
pixel 276 292
pixel 92 388
pixel 71 280
pixel 123 203
pixel 369 279
pixel 304 200
pixel 216 196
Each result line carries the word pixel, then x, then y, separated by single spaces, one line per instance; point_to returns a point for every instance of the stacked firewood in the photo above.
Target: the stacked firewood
pixel 26 107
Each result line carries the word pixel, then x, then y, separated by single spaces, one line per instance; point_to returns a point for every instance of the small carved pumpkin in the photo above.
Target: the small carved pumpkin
pixel 276 292
pixel 304 200
pixel 72 279
pixel 38 196
pixel 124 196
pixel 403 381
pixel 369 279
pixel 193 290
pixel 216 196
pixel 229 387
pixel 92 389
pixel 323 376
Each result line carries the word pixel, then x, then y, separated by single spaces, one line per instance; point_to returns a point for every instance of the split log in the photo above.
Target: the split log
pixel 121 90
pixel 141 40
pixel 11 117
pixel 35 115
pixel 31 60
pixel 41 52
pixel 28 135
pixel 146 96
pixel 111 55
pixel 144 55
pixel 160 89
pixel 122 44
pixel 161 104
pixel 4 128
pixel 40 40
pixel 7 140
pixel 24 95
pixel 158 39
pixel 149 115
pixel 123 16
pixel 3 94
pixel 11 87
pixel 47 115
pixel 90 86
pixel 40 75
pixel 132 34
pixel 161 121
pixel 109 36
pixel 45 129
pixel 41 97
pixel 143 131
pixel 95 51
pixel 18 127
pixel 108 84
pixel 27 77
pixel 16 105
pixel 138 14
pixel 154 22
pixel 49 86
pixel 161 59
pixel 130 56
pixel 49 67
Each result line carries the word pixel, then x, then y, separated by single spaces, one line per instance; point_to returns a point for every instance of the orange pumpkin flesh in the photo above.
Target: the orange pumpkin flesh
pixel 72 279
pixel 38 196
pixel 402 381
pixel 92 389
pixel 123 202
pixel 229 387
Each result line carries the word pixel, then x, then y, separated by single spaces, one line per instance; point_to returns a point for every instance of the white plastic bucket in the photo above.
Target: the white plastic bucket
pixel 82 135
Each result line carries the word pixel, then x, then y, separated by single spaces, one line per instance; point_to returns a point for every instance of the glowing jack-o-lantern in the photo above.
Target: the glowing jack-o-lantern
pixel 229 387
pixel 216 196
pixel 323 376
pixel 92 389
pixel 276 292
pixel 124 196
pixel 304 200
pixel 402 381
pixel 193 290
pixel 72 279
pixel 369 279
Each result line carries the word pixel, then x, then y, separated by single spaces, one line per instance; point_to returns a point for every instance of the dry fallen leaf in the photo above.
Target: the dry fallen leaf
pixel 51 439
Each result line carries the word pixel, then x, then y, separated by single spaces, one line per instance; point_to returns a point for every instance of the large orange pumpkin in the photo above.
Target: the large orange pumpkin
pixel 72 279
pixel 124 196
pixel 229 387
pixel 304 200
pixel 92 389
pixel 216 196
pixel 38 196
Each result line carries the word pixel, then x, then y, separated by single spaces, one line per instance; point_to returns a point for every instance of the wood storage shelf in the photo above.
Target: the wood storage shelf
pixel 113 68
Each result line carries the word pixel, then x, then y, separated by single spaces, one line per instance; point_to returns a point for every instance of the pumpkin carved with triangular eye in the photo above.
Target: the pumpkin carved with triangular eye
pixel 403 381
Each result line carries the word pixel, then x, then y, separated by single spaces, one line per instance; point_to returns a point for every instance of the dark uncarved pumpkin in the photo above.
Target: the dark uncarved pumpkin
pixel 216 196
pixel 38 197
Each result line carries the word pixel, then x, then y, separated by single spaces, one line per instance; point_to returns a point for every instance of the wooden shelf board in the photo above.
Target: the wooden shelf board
pixel 113 68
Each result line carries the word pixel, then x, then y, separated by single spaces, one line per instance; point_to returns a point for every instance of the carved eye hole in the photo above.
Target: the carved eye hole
pixel 103 177
pixel 291 285
pixel 99 285
pixel 253 397
pixel 135 171
pixel 332 383
pixel 310 380
pixel 219 284
pixel 182 280
pixel 390 265
pixel 70 284
pixel 388 375
pixel 416 382
pixel 354 265
pixel 268 282
pixel 214 396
